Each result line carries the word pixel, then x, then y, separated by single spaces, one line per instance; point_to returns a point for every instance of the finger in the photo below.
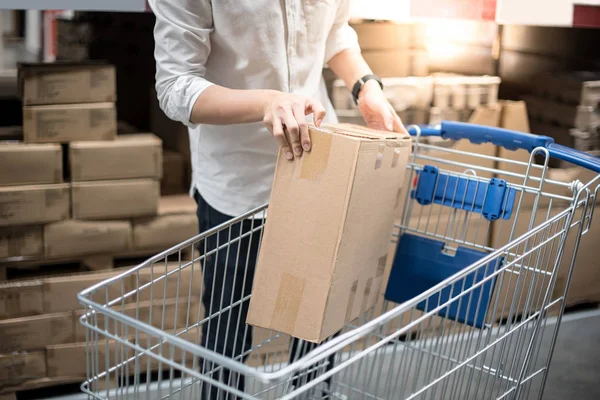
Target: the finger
pixel 398 125
pixel 293 131
pixel 316 108
pixel 303 126
pixel 279 135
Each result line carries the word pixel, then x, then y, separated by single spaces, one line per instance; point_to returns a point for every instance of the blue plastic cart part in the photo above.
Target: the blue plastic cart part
pixel 493 200
pixel 421 263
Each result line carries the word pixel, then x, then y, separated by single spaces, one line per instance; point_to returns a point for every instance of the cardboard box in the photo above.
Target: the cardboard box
pixel 67 83
pixel 34 333
pixel 21 241
pixel 11 133
pixel 585 282
pixel 35 204
pixel 176 204
pixel 21 298
pixel 76 238
pixel 126 157
pixel 330 266
pixel 173 180
pixel 25 164
pixel 69 122
pixel 60 293
pixel 165 315
pixel 162 232
pixel 179 282
pixel 115 199
pixel 383 35
pixel 70 359
pixel 20 367
pixel 389 63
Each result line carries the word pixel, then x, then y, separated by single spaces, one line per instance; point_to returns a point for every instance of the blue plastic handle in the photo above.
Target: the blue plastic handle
pixel 511 140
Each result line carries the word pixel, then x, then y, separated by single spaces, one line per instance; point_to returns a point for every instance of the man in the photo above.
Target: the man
pixel 246 77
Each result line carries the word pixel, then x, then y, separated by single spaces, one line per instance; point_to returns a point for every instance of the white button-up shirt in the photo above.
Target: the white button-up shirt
pixel 242 44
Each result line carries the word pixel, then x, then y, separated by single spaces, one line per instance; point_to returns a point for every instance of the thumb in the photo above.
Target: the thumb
pixel 316 108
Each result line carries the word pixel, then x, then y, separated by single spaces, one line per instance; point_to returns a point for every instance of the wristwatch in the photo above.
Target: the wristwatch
pixel 360 83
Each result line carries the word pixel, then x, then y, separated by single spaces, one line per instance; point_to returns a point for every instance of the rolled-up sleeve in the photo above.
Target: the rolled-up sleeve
pixel 341 36
pixel 182 46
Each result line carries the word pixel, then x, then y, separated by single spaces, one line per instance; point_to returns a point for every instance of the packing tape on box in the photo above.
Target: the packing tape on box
pixel 287 304
pixel 315 161
pixel 351 299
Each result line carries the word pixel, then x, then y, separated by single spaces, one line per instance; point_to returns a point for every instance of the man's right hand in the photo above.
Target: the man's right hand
pixel 286 113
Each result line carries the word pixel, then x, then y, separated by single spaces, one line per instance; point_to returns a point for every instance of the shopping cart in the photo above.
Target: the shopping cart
pixel 483 330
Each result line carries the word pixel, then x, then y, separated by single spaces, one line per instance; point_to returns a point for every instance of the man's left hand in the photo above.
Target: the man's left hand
pixel 377 111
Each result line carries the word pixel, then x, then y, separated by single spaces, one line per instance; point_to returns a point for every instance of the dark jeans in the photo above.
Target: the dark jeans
pixel 228 274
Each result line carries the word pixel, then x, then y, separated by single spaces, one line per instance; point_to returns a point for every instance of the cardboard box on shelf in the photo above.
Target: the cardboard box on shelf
pixel 176 204
pixel 162 314
pixel 28 164
pixel 34 204
pixel 60 293
pixel 21 241
pixel 585 283
pixel 383 35
pixel 21 298
pixel 69 122
pixel 174 179
pixel 11 133
pixel 321 284
pixel 70 359
pixel 178 280
pixel 77 238
pixel 35 333
pixel 20 367
pixel 389 63
pixel 115 199
pixel 126 157
pixel 67 83
pixel 164 231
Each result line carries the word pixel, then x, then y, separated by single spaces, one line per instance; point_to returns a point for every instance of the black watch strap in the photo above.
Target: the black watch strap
pixel 359 84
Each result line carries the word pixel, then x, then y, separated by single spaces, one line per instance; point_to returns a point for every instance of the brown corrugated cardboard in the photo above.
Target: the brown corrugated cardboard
pixel 34 333
pixel 173 180
pixel 76 238
pixel 21 241
pixel 383 35
pixel 158 313
pixel 26 164
pixel 176 204
pixel 20 367
pixel 60 293
pixel 389 63
pixel 65 83
pixel 179 282
pixel 585 283
pixel 165 231
pixel 70 359
pixel 126 157
pixel 35 204
pixel 70 122
pixel 319 268
pixel 115 199
pixel 21 298
pixel 11 133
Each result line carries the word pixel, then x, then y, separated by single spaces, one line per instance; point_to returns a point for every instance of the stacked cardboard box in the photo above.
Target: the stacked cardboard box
pixel 41 340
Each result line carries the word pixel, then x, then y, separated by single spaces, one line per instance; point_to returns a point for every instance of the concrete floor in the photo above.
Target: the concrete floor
pixel 575 369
